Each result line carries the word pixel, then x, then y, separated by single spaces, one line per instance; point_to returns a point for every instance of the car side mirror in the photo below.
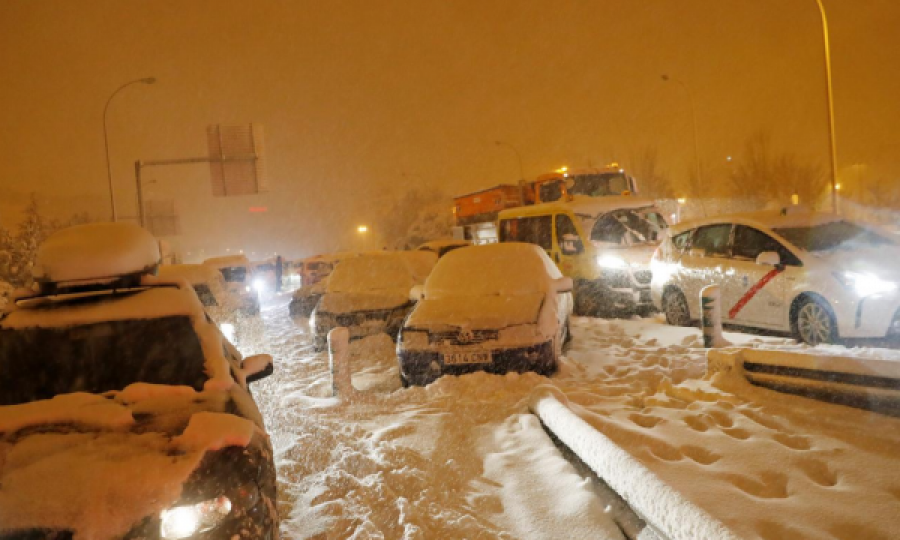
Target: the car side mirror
pixel 563 285
pixel 768 258
pixel 417 293
pixel 256 367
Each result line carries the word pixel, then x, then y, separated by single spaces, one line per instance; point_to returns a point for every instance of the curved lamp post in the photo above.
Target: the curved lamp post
pixel 112 196
pixel 690 95
pixel 833 146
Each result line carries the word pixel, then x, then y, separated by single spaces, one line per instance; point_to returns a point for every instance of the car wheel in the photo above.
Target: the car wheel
pixel 676 308
pixel 813 322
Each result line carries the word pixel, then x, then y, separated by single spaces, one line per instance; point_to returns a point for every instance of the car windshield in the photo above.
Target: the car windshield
pixel 369 274
pixel 599 185
pixel 833 236
pixel 627 226
pixel 39 363
pixel 234 274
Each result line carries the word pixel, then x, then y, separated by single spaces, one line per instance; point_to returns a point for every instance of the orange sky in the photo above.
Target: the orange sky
pixel 359 98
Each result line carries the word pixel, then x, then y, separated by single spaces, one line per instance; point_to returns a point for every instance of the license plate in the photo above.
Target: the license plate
pixel 474 357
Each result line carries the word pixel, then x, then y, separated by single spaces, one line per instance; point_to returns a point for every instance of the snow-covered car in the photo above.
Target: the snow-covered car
pixel 817 276
pixel 305 299
pixel 221 303
pixel 443 246
pixel 319 267
pixel 124 413
pixel 495 308
pixel 370 294
pixel 238 274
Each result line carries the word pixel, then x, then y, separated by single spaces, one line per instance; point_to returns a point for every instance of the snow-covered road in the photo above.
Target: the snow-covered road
pixel 463 458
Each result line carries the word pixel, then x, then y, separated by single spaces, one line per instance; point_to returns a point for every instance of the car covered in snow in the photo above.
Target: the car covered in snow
pixel 124 413
pixel 319 267
pixel 495 308
pixel 443 246
pixel 220 303
pixel 238 274
pixel 370 294
pixel 819 277
pixel 603 243
pixel 305 299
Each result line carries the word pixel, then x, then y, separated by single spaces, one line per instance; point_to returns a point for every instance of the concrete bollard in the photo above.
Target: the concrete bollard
pixel 339 358
pixel 711 317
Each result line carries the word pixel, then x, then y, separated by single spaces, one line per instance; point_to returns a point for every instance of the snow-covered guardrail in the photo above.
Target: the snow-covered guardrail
pixel 661 506
pixel 867 383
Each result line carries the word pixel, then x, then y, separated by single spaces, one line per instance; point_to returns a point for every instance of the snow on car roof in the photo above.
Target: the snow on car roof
pixel 96 251
pixel 442 243
pixel 195 274
pixel 227 261
pixel 382 271
pixel 581 204
pixel 772 219
pixel 330 257
pixel 492 269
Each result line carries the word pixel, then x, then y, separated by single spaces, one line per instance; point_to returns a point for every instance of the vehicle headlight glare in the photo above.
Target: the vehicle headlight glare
pixel 186 521
pixel 247 288
pixel 227 331
pixel 865 284
pixel 259 284
pixel 611 261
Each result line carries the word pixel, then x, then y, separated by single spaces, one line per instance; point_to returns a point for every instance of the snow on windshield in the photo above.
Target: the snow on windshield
pixel 494 269
pixel 369 273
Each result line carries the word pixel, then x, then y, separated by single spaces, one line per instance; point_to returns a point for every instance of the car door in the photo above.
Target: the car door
pixel 567 245
pixel 755 294
pixel 706 262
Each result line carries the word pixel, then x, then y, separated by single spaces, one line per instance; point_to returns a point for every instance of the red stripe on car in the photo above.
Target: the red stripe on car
pixel 752 292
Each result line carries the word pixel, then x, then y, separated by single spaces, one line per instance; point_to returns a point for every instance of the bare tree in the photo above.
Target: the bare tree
pixel 644 165
pixel 762 174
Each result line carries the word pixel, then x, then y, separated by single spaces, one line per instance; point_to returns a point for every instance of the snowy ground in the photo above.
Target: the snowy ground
pixel 463 458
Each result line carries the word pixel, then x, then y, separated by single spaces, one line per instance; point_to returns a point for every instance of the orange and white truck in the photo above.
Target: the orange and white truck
pixel 475 214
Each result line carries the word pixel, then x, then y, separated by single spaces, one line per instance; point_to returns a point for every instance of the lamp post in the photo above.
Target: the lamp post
pixel 690 95
pixel 833 141
pixel 521 169
pixel 112 196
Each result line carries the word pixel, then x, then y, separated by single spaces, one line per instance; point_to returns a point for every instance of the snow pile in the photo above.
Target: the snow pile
pixel 96 251
pixel 79 409
pixel 214 431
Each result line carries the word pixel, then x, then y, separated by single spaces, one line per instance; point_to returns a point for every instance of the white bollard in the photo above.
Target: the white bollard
pixel 339 358
pixel 711 317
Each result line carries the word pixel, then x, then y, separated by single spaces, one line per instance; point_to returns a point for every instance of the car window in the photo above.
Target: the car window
pixel 750 242
pixel 533 230
pixel 39 363
pixel 713 240
pixel 682 241
pixel 551 191
pixel 234 274
pixel 207 298
pixel 567 236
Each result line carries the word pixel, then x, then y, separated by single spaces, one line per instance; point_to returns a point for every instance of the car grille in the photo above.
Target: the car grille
pixel 643 276
pixel 356 319
pixel 463 337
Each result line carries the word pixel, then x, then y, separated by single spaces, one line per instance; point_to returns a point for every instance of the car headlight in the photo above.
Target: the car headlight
pixel 186 521
pixel 865 284
pixel 247 288
pixel 259 284
pixel 611 261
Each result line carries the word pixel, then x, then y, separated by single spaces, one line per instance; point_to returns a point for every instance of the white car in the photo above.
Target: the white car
pixel 816 276
pixel 239 276
pixel 494 308
pixel 370 294
pixel 219 302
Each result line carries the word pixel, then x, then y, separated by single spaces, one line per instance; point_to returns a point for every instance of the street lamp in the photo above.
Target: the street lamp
pixel 690 95
pixel 833 146
pixel 112 196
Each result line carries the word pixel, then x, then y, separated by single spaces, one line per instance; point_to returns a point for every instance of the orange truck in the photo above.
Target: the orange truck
pixel 475 214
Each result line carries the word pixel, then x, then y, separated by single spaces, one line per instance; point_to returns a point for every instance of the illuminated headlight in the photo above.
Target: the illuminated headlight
pixel 865 284
pixel 259 284
pixel 247 288
pixel 186 521
pixel 227 331
pixel 611 261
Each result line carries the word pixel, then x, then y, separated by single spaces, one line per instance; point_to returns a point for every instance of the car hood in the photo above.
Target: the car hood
pixel 63 461
pixel 881 261
pixel 339 303
pixel 477 312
